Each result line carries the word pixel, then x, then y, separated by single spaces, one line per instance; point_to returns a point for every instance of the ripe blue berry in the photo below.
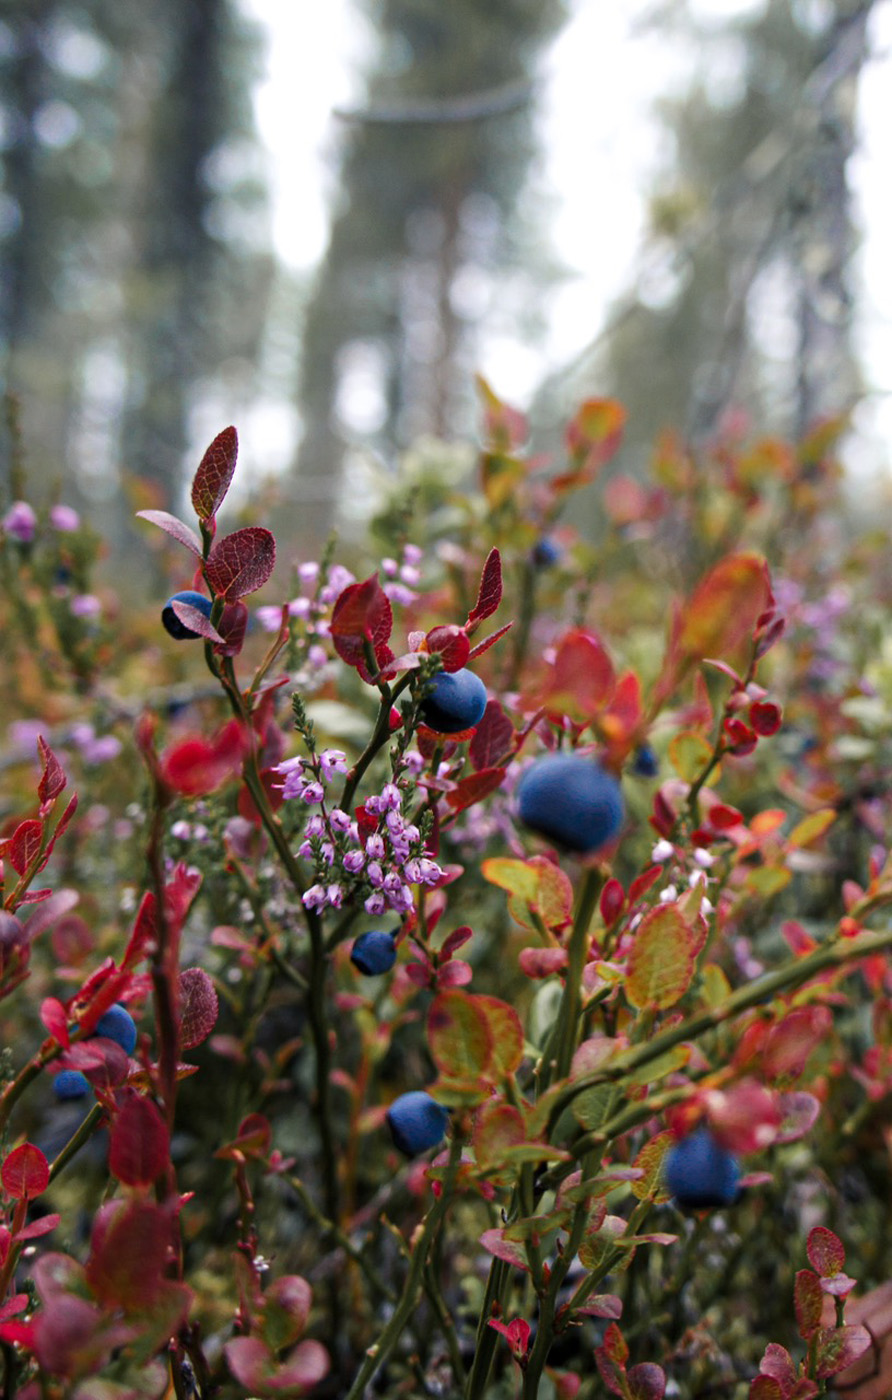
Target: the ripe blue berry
pixel 569 799
pixel 699 1172
pixel 645 764
pixel 70 1084
pixel 545 552
pixel 172 623
pixel 456 701
pixel 374 952
pixel 416 1122
pixel 118 1025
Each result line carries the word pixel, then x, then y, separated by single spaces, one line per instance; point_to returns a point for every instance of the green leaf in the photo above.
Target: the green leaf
pixel 811 827
pixel 459 1035
pixel 661 963
pixel 650 1161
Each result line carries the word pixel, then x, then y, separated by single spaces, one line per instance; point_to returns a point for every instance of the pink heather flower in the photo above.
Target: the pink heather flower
pixel 339 578
pixel 375 874
pixel 412 554
pixel 354 861
pixel 389 567
pixel 401 900
pixel 409 574
pixel 316 897
pixel 20 522
pixel 339 820
pixel 86 605
pixel 335 895
pixel 317 657
pixel 375 904
pixel 101 750
pixel 289 765
pixel 269 617
pixel 391 798
pixel 422 871
pixel 375 847
pixel 392 883
pixel 181 830
pixel 64 518
pixel 398 593
pixel 414 761
pixel 299 607
pixel 308 572
pixel 312 792
pixel 305 849
pixel 332 761
pixel 293 785
pixel 662 851
pixel 326 850
pixel 315 826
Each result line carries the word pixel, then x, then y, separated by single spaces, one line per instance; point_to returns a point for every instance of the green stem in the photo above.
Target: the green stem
pixel 379 1352
pixel 77 1140
pixel 379 737
pixel 789 975
pixel 567 1023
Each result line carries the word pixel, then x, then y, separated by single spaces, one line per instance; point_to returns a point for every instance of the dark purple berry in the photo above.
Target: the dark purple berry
pixel 545 553
pixel 569 799
pixel 700 1172
pixel 645 763
pixel 70 1084
pixel 118 1025
pixel 456 701
pixel 374 952
pixel 416 1122
pixel 172 623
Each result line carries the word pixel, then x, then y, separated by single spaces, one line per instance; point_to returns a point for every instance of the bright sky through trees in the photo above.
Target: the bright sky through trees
pixel 601 144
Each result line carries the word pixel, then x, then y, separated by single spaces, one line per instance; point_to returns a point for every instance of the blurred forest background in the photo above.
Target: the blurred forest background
pixel 142 306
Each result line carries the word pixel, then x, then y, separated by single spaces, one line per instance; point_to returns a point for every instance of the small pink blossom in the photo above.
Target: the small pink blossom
pixel 64 518
pixel 20 522
pixel 86 605
pixel 316 897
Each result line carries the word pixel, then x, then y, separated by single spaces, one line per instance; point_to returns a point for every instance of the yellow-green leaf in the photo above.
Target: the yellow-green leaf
pixel 661 963
pixel 811 827
pixel 689 753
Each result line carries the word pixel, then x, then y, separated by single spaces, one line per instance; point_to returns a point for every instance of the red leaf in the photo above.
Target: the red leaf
pixel 489 641
pixel 25 1172
pixel 642 883
pixel 493 738
pixel 24 844
pixel 103 1061
pixel 61 827
pixel 489 595
pixel 839 1347
pixel 725 606
pixel 451 642
pixel 825 1251
pixel 474 788
pixel 580 681
pixel 18 1303
pixel 615 1345
pixel 211 480
pixel 362 615
pixel 242 562
pixel 198 1007
pixel 130 1246
pixel 38 1228
pixel 231 628
pixel 196 766
pixel 195 620
pixel 140 1144
pixel 646 1381
pixel 52 780
pixel 808 1301
pixel 144 933
pixel 55 1018
pixel 613 901
pixel 177 529
pixel 792 1040
pixel 510 1251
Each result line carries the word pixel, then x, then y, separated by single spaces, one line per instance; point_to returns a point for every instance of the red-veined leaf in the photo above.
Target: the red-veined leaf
pixel 242 562
pixel 139 1145
pixel 661 963
pixel 198 1007
pixel 52 779
pixel 493 737
pixel 214 474
pixel 177 529
pixel 474 788
pixel 23 845
pixel 489 594
pixel 25 1172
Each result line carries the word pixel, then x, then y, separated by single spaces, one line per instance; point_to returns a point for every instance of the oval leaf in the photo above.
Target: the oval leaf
pixel 725 606
pixel 214 474
pixel 139 1146
pixel 177 529
pixel 198 1007
pixel 459 1035
pixel 242 562
pixel 661 963
pixel 25 1172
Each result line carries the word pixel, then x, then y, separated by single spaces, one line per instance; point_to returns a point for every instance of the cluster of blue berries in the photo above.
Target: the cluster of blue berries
pixel 115 1024
pixel 172 624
